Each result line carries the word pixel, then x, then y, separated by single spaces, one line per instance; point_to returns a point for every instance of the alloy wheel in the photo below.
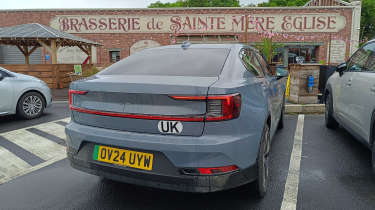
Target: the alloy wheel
pixel 32 105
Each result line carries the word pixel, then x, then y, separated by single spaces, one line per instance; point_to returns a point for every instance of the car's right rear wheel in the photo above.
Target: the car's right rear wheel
pixel 263 163
pixel 329 119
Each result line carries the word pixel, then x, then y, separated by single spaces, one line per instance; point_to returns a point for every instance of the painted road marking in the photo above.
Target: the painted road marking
pixel 10 164
pixel 61 123
pixel 52 128
pixel 67 120
pixel 291 186
pixel 15 142
pixel 47 135
pixel 31 169
pixel 20 152
pixel 35 144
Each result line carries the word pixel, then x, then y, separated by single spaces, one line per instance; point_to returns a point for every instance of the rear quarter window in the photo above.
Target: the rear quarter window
pixel 172 62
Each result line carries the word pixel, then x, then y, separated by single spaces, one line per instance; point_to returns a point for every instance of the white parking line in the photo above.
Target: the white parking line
pixel 291 186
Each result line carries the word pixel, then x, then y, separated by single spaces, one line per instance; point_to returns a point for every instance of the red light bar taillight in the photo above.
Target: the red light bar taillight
pixel 220 107
pixel 210 171
pixel 71 92
pixel 217 170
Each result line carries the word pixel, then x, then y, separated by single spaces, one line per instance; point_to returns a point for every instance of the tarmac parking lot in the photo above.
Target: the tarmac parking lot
pixel 312 167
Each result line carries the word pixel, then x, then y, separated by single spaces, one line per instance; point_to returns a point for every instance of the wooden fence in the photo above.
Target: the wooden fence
pixel 55 75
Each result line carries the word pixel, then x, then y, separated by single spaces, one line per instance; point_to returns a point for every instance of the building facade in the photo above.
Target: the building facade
pixel 310 34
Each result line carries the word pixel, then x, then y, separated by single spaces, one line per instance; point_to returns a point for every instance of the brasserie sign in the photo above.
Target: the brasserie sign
pixel 207 23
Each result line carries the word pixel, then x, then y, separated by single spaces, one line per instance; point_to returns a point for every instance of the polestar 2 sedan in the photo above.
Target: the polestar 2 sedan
pixel 191 117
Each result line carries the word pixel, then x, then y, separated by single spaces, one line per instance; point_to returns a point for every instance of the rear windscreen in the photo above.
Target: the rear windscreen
pixel 172 62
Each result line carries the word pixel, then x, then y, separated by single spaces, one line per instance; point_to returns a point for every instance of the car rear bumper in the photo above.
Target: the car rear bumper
pixel 171 153
pixel 176 182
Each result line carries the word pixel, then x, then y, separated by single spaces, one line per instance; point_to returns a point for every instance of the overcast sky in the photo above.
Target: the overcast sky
pixel 32 4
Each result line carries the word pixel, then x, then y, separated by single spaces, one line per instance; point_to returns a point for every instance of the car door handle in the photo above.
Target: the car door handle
pixel 348 84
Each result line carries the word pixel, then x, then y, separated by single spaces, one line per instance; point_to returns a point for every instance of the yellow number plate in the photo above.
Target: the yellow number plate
pixel 123 157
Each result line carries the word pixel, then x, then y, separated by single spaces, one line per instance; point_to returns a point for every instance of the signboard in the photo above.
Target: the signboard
pixel 338 49
pixel 77 69
pixel 197 23
pixel 143 44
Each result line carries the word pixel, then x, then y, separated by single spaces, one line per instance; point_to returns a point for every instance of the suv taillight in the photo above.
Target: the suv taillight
pixel 220 107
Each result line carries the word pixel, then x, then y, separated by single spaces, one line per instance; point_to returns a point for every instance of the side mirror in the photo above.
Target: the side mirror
pixel 341 68
pixel 281 72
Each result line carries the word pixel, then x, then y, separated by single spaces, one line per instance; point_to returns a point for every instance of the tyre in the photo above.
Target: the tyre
pixel 281 121
pixel 373 156
pixel 31 105
pixel 263 163
pixel 329 119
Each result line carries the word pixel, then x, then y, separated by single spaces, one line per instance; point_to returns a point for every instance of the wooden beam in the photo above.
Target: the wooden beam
pixel 90 54
pixel 33 49
pixel 23 52
pixel 51 49
pixel 54 51
pixel 48 48
pixel 83 49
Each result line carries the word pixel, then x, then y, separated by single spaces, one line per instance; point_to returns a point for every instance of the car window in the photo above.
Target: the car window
pixel 264 65
pixel 370 66
pixel 204 62
pixel 3 73
pixel 249 60
pixel 357 62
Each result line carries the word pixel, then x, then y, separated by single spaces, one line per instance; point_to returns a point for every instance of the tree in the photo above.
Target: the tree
pixel 368 19
pixel 159 4
pixel 268 48
pixel 196 3
pixel 283 3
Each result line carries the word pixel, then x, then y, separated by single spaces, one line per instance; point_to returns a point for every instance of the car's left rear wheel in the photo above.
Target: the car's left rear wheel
pixel 281 121
pixel 31 105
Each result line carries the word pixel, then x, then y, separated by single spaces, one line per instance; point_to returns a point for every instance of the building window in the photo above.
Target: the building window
pixel 114 56
pixel 204 39
pixel 302 54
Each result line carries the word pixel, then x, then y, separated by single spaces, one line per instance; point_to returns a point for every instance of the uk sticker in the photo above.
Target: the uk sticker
pixel 170 127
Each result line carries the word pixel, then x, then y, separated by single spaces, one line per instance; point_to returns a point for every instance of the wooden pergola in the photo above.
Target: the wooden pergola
pixel 28 37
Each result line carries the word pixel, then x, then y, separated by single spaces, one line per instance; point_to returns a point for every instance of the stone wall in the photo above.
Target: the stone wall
pixel 298 92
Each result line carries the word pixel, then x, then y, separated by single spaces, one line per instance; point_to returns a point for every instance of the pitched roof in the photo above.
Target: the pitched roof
pixel 40 32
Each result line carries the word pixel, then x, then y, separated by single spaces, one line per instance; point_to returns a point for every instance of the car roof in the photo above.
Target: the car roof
pixel 202 46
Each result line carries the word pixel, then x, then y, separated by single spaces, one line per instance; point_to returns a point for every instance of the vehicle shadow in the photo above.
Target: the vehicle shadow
pixel 113 194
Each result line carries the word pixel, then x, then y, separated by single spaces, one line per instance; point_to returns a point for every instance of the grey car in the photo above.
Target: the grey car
pixel 196 118
pixel 23 95
pixel 350 96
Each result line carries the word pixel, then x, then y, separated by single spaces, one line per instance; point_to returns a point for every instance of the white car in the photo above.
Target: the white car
pixel 350 96
pixel 23 95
